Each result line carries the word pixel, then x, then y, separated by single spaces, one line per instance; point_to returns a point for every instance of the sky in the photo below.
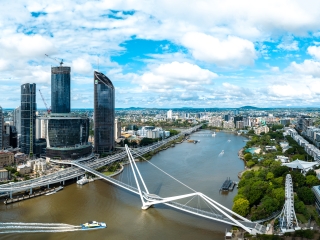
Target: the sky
pixel 165 54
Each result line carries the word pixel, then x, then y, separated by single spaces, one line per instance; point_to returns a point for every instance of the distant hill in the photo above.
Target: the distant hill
pixel 249 107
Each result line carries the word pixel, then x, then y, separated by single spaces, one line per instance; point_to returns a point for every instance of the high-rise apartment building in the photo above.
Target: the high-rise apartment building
pixel 104 104
pixel 169 114
pixel 28 117
pixel 117 129
pixel 1 128
pixel 17 119
pixel 60 89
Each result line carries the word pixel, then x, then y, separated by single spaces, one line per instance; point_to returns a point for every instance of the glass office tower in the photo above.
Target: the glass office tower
pixel 1 127
pixel 60 89
pixel 28 117
pixel 104 104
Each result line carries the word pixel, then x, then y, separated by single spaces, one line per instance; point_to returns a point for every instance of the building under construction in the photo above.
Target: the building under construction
pixel 66 134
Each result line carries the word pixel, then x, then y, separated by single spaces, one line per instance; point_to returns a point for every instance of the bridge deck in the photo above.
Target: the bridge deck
pixel 182 207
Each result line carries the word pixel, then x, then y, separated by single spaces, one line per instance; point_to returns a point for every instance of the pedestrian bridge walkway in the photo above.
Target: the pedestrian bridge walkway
pixel 213 210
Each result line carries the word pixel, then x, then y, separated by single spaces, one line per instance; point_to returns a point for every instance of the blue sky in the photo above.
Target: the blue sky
pixel 166 54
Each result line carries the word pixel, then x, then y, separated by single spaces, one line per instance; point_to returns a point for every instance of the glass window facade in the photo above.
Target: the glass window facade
pixel 104 104
pixel 60 89
pixel 68 132
pixel 28 117
pixel 1 127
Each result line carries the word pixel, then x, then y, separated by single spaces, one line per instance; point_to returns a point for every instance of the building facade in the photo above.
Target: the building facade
pixel 17 119
pixel 104 113
pixel 1 128
pixel 28 117
pixel 6 158
pixel 60 89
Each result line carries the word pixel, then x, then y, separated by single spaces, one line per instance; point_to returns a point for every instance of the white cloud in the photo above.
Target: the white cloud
pixel 308 67
pixel 82 66
pixel 20 45
pixel 314 51
pixel 175 74
pixel 293 46
pixel 232 51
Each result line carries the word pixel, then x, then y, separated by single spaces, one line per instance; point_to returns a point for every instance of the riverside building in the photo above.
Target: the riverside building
pixel 104 113
pixel 28 117
pixel 66 133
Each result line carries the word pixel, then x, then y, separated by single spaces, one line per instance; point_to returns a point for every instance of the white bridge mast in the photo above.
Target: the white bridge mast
pixel 288 219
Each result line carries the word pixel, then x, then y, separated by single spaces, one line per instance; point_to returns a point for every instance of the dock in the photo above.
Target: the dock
pixel 228 185
pixel 29 196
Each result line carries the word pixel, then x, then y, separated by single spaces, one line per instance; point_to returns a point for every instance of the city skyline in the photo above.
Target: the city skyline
pixel 166 54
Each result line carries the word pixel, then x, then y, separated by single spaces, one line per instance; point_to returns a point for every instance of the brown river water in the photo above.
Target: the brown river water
pixel 201 166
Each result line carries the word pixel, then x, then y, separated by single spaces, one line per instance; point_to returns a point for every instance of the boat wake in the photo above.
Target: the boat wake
pixel 19 227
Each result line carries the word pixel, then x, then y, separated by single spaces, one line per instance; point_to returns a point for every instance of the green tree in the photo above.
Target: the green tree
pixel 306 195
pixel 241 206
pixel 270 176
pixel 312 180
pixel 250 164
pixel 279 194
pixel 298 179
pixel 247 156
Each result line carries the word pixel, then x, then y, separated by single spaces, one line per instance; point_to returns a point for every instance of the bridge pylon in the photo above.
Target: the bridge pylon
pixel 288 219
pixel 223 214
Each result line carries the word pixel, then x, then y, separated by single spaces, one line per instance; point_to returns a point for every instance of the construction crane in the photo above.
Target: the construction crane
pixel 60 62
pixel 48 109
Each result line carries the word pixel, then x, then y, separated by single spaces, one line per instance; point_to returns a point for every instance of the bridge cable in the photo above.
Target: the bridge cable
pixel 164 172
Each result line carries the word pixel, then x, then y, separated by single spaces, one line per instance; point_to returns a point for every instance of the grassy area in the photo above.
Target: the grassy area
pixel 313 213
pixel 108 173
pixel 254 168
pixel 301 218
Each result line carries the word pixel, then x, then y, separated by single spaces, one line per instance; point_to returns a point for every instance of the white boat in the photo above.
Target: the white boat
pixel 83 181
pixel 229 140
pixel 214 134
pixel 93 225
pixel 56 190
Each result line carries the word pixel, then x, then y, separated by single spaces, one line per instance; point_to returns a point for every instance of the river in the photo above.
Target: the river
pixel 201 166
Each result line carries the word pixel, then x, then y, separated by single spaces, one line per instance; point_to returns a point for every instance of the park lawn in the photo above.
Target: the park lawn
pixel 108 173
pixel 313 212
pixel 301 218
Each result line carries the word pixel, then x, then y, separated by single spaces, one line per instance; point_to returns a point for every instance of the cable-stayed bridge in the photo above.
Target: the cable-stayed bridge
pixel 213 210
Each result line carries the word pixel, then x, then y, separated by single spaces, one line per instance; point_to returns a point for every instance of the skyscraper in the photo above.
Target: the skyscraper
pixel 1 128
pixel 60 89
pixel 104 103
pixel 17 119
pixel 28 117
pixel 66 133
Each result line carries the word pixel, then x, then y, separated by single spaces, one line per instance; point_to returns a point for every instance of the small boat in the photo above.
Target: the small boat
pixel 214 134
pixel 93 225
pixel 83 181
pixel 229 140
pixel 55 191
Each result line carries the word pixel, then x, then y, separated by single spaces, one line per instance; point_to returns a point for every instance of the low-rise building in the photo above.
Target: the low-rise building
pixel 283 159
pixel 24 169
pixel 6 158
pixel 4 175
pixel 261 129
